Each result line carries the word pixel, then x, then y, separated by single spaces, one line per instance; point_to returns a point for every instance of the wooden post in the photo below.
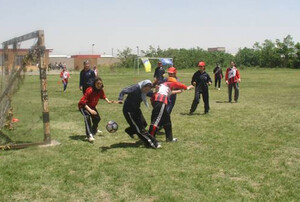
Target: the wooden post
pixel 43 82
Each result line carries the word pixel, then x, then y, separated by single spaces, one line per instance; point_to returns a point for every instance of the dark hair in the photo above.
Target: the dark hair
pixel 95 81
pixel 86 62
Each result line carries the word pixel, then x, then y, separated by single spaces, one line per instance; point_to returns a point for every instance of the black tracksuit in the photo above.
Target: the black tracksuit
pixel 201 79
pixel 86 79
pixel 159 73
pixel 218 76
pixel 134 115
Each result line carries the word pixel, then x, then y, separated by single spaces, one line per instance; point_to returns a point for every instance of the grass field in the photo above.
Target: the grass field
pixel 244 151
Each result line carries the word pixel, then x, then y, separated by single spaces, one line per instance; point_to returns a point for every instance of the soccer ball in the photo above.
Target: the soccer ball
pixel 112 126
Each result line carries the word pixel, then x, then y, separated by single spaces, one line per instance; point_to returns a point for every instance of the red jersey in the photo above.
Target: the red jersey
pixel 91 98
pixel 232 75
pixel 165 90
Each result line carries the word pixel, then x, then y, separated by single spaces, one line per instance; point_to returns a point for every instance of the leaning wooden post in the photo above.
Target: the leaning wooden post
pixel 43 81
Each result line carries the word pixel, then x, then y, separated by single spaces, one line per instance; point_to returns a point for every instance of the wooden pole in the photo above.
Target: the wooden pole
pixel 43 82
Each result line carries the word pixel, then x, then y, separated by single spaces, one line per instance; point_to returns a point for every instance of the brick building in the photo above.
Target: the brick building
pixel 21 53
pixel 79 59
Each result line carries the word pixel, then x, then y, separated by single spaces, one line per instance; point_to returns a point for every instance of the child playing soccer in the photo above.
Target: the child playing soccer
pixel 133 114
pixel 160 116
pixel 64 75
pixel 201 80
pixel 87 106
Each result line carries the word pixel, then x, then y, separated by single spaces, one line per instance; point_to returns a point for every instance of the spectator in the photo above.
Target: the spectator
pixel 233 79
pixel 87 77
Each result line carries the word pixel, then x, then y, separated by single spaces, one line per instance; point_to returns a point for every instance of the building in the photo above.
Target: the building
pixel 79 59
pixel 221 49
pixel 64 59
pixel 21 53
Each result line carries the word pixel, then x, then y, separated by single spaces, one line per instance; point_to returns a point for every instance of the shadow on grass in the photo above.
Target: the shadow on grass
pixel 219 101
pixel 122 145
pixel 78 137
pixel 193 114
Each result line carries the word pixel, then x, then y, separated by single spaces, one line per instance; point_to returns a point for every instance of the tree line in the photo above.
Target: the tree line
pixel 269 54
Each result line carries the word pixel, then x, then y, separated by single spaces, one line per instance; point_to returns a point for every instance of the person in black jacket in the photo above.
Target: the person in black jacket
pixel 133 114
pixel 87 77
pixel 218 76
pixel 159 73
pixel 201 80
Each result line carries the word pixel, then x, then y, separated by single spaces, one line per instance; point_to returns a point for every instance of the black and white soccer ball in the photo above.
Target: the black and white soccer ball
pixel 112 126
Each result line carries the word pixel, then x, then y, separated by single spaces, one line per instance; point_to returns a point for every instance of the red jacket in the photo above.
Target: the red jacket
pixel 91 98
pixel 232 75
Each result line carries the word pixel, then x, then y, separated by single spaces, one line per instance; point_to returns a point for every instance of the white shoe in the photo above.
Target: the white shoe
pixel 99 131
pixel 219 88
pixel 173 140
pixel 158 146
pixel 91 138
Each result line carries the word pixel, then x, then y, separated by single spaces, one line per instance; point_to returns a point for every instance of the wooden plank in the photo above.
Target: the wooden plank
pixel 24 37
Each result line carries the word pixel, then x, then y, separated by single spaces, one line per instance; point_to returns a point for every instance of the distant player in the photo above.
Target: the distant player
pixel 159 73
pixel 87 106
pixel 64 75
pixel 233 79
pixel 218 76
pixel 201 80
pixel 87 77
pixel 131 109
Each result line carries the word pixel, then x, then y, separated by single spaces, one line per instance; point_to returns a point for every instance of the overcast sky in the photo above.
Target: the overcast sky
pixel 72 26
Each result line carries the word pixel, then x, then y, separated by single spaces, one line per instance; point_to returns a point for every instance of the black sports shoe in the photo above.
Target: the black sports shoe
pixel 128 132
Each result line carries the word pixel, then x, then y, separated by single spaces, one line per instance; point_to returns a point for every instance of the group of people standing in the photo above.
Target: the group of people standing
pixel 162 92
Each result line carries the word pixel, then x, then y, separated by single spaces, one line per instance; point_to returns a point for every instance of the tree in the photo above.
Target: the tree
pixel 126 57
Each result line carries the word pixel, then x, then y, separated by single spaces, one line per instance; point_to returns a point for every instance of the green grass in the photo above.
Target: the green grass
pixel 244 151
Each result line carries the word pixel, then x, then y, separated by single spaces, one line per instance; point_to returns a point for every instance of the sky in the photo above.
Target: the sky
pixel 73 26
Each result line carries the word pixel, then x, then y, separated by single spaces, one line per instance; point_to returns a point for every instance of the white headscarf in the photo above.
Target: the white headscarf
pixel 141 85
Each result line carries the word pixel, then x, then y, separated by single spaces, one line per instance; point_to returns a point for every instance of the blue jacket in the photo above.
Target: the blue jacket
pixel 134 97
pixel 87 78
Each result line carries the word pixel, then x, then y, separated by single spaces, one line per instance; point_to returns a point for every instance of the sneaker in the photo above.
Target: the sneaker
pixel 130 134
pixel 99 131
pixel 173 140
pixel 158 146
pixel 219 88
pixel 91 138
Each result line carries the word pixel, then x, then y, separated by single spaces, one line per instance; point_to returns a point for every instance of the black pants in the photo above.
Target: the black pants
pixel 172 100
pixel 218 81
pixel 236 91
pixel 205 98
pixel 160 116
pixel 90 129
pixel 137 125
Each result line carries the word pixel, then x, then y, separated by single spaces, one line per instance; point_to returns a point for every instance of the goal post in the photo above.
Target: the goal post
pixel 147 64
pixel 11 73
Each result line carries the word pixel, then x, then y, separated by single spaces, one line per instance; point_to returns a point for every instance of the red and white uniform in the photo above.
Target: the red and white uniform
pixel 64 75
pixel 165 90
pixel 232 75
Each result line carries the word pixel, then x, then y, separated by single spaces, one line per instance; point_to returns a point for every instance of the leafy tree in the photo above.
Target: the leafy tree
pixel 126 57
